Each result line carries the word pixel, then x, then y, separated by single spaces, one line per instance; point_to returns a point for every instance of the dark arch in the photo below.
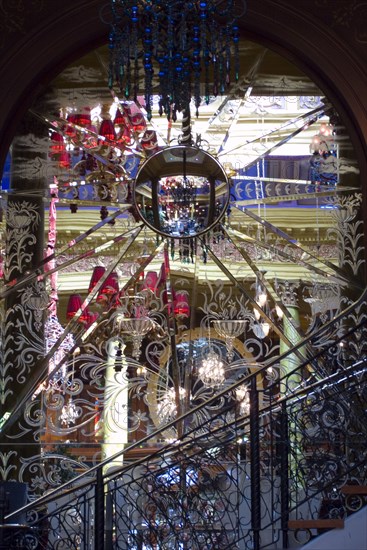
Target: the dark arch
pixel 63 31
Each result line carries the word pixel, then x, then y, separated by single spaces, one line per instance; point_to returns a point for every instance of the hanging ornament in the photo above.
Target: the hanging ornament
pixel 184 44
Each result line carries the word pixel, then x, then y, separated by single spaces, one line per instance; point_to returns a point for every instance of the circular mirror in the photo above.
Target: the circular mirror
pixel 181 192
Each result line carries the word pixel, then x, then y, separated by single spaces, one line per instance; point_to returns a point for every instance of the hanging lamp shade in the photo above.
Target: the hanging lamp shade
pixel 107 129
pixel 64 160
pixel 162 275
pixel 98 272
pixel 109 288
pixel 151 280
pixel 119 119
pixel 134 118
pixel 138 122
pixel 181 307
pixel 149 142
pixel 90 141
pixel 83 118
pixel 70 131
pixel 126 112
pixel 74 305
pixel 168 302
pixel 57 143
pixel 124 136
pixel 92 317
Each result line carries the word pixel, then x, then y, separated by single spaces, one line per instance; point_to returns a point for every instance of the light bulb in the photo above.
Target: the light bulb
pixel 279 312
pixel 261 298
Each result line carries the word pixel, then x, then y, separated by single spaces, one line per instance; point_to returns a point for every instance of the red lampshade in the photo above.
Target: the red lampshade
pixel 89 140
pixel 135 117
pixel 64 160
pixel 126 111
pixel 124 136
pixel 70 131
pixel 109 287
pixel 138 122
pixel 83 118
pixel 162 275
pixel 149 141
pixel 98 272
pixel 151 280
pixel 91 318
pixel 57 143
pixel 74 304
pixel 181 304
pixel 119 119
pixel 107 129
pixel 167 303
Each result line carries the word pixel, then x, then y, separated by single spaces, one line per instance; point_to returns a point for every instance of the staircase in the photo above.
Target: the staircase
pixel 273 470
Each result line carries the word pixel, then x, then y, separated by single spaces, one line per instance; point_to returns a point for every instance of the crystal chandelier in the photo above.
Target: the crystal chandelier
pixel 167 407
pixel 211 371
pixel 69 413
pixel 180 44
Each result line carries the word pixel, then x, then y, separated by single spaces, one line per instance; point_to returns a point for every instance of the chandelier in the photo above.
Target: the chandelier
pixel 69 413
pixel 167 406
pixel 211 371
pixel 177 45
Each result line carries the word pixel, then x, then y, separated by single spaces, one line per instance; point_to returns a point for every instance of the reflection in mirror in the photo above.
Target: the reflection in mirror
pixel 181 191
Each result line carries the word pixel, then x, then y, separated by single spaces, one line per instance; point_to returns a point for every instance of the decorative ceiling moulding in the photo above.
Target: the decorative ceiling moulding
pixel 76 26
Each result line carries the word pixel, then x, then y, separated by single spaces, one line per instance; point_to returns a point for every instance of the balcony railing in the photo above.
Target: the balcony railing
pixel 263 464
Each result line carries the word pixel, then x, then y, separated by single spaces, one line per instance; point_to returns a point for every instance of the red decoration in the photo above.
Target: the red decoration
pixel 135 117
pixel 125 136
pixel 151 281
pixel 181 304
pixel 57 143
pixel 83 118
pixel 149 142
pixel 74 305
pixel 119 118
pixel 107 129
pixel 162 275
pixel 70 131
pixel 109 288
pixel 98 272
pixel 64 160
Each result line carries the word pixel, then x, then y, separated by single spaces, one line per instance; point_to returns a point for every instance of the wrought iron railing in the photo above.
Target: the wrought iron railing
pixel 278 445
